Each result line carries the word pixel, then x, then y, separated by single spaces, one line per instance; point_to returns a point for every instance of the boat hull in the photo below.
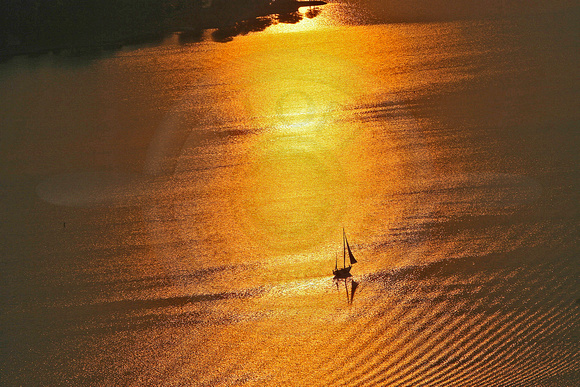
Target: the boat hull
pixel 342 273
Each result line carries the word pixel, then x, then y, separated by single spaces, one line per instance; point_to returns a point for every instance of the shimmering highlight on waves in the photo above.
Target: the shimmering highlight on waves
pixel 445 150
pixel 452 337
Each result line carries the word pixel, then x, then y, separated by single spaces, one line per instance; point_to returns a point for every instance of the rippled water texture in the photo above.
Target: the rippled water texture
pixel 171 214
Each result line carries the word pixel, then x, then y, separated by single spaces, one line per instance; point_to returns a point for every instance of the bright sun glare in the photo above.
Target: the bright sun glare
pixel 306 24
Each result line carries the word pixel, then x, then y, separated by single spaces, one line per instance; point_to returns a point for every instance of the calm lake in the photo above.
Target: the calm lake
pixel 171 213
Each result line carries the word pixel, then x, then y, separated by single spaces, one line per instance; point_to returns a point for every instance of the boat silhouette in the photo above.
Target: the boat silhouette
pixel 344 274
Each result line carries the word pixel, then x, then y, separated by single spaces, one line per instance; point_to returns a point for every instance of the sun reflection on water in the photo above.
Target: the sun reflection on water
pixel 310 19
pixel 296 161
pixel 294 193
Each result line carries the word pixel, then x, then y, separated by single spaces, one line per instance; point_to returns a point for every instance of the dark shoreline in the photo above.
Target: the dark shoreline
pixel 189 21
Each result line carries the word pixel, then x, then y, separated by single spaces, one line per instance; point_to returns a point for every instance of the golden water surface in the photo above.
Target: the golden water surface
pixel 174 212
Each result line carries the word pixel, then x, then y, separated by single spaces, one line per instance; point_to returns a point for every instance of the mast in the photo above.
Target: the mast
pixel 343 248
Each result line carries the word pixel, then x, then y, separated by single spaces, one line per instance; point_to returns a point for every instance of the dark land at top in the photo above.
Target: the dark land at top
pixel 39 26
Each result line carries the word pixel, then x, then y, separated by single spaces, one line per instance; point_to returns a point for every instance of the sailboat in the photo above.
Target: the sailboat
pixel 344 273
